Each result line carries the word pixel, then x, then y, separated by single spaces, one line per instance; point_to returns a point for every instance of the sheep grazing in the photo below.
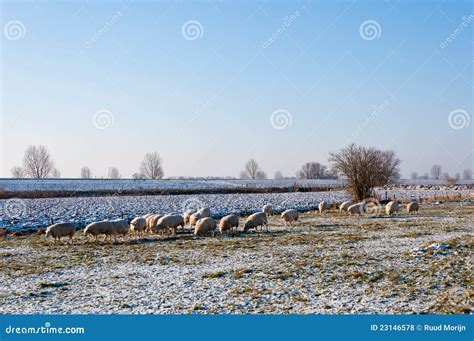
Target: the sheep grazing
pixel 117 227
pixel 205 226
pixel 358 209
pixel 228 223
pixel 97 228
pixel 289 216
pixel 412 207
pixel 169 223
pixel 187 215
pixel 391 208
pixel 268 210
pixel 138 225
pixel 193 219
pixel 204 212
pixel 323 206
pixel 59 230
pixel 151 222
pixel 255 220
pixel 345 205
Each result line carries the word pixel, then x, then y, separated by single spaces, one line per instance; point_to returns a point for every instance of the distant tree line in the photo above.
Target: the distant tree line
pixel 436 173
pixel 363 169
pixel 38 164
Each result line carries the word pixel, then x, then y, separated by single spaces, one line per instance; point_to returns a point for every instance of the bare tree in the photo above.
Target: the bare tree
pixel 252 171
pixel 278 175
pixel 467 174
pixel 18 172
pixel 37 162
pixel 312 170
pixel 435 172
pixel 86 173
pixel 151 166
pixel 414 175
pixel 114 173
pixel 55 173
pixel 365 168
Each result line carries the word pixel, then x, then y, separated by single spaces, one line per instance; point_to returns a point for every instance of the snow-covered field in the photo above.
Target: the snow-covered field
pixel 130 184
pixel 170 184
pixel 325 264
pixel 34 213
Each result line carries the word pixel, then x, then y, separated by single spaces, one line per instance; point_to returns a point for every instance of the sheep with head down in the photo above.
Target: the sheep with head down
pixel 138 225
pixel 412 207
pixel 118 227
pixel 151 222
pixel 268 210
pixel 290 216
pixel 204 212
pixel 256 220
pixel 98 228
pixel 391 208
pixel 228 223
pixel 187 215
pixel 323 206
pixel 345 205
pixel 358 209
pixel 168 224
pixel 59 230
pixel 204 226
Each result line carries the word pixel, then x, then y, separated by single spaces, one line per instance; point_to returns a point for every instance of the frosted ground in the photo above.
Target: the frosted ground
pixel 169 184
pixel 33 213
pixel 328 263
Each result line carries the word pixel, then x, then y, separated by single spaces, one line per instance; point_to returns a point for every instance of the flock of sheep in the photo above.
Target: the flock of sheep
pixel 201 220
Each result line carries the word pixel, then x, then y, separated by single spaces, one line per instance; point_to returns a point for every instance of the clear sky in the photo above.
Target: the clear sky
pixel 202 93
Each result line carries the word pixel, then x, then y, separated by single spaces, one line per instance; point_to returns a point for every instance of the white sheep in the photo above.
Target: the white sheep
pixel 59 230
pixel 323 206
pixel 412 207
pixel 204 212
pixel 138 225
pixel 193 219
pixel 169 223
pixel 118 227
pixel 255 220
pixel 268 210
pixel 290 216
pixel 187 215
pixel 204 226
pixel 345 205
pixel 151 222
pixel 391 208
pixel 228 223
pixel 358 209
pixel 97 228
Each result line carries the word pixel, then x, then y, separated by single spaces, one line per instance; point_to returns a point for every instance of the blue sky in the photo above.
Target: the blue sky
pixel 206 104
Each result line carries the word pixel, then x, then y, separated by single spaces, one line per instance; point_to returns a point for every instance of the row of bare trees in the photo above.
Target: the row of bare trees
pixel 363 169
pixel 437 174
pixel 37 163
